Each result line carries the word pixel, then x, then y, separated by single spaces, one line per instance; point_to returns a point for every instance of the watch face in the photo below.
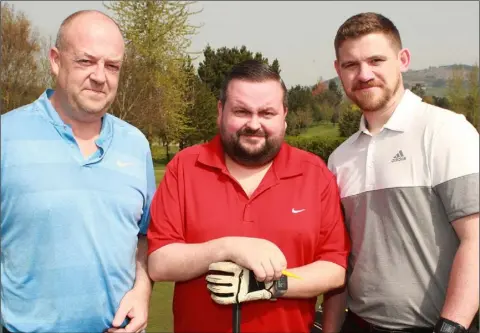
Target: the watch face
pixel 282 283
pixel 447 328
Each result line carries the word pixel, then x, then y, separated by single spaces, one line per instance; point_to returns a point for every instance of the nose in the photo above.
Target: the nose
pixel 365 73
pixel 254 123
pixel 98 75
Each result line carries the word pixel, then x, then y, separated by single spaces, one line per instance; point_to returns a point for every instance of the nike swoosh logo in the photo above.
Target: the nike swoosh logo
pixel 123 164
pixel 294 211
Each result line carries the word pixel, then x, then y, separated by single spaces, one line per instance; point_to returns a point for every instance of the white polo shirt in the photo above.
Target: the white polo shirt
pixel 400 190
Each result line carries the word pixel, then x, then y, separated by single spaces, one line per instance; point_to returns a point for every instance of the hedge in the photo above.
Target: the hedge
pixel 318 145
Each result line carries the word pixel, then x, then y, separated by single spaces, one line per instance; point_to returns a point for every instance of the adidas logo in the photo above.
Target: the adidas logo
pixel 399 157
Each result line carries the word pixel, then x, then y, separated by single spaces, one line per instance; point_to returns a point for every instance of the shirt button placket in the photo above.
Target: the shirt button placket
pixel 370 170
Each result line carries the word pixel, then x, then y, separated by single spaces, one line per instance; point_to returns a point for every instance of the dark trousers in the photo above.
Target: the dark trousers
pixel 4 330
pixel 355 324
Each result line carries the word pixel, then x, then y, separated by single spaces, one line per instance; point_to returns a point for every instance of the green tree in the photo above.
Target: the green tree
pixel 337 93
pixel 349 120
pixel 217 63
pixel 472 100
pixel 462 93
pixel 201 115
pixel 21 77
pixel 155 86
pixel 441 102
pixel 276 66
pixel 418 89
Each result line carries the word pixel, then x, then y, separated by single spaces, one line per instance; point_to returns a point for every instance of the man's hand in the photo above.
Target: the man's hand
pixel 134 305
pixel 230 283
pixel 261 256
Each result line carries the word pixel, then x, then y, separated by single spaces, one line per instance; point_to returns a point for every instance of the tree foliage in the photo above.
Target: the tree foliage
pixel 462 93
pixel 349 120
pixel 22 79
pixel 217 63
pixel 153 91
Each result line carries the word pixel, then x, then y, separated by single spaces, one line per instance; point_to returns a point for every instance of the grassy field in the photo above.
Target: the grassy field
pixel 322 129
pixel 161 318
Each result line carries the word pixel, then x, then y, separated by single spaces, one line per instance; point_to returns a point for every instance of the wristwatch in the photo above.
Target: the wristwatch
pixel 280 287
pixel 444 325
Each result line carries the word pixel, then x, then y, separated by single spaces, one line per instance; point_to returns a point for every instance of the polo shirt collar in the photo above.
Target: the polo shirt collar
pixel 400 118
pixel 45 107
pixel 283 166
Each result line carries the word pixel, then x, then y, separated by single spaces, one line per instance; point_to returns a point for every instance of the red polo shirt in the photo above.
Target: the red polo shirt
pixel 296 206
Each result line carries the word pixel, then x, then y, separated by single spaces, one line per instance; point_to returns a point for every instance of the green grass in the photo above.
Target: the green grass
pixel 322 129
pixel 160 314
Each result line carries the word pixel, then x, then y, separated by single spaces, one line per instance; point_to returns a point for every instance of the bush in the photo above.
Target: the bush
pixel 349 121
pixel 320 146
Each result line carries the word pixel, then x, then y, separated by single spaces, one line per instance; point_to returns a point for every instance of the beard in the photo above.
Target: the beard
pixel 373 100
pixel 247 155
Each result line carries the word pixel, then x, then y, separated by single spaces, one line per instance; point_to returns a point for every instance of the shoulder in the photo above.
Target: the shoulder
pixel 128 131
pixel 440 122
pixel 343 151
pixel 19 120
pixel 308 162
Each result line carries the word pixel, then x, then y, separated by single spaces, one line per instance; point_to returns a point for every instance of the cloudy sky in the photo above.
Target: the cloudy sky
pixel 300 34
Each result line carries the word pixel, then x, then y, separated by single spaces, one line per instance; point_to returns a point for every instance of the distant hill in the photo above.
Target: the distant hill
pixel 433 78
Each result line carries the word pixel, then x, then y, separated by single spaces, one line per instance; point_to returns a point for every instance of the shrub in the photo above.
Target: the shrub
pixel 349 120
pixel 320 146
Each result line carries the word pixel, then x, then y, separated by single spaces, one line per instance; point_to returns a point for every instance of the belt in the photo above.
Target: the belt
pixel 365 326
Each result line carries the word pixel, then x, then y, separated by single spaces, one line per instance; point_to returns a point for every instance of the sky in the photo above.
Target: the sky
pixel 300 34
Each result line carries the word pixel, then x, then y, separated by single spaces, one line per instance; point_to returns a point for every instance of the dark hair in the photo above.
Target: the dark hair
pixel 364 24
pixel 60 40
pixel 252 71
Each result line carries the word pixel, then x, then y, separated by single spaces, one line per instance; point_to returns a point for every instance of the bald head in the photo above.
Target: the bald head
pixel 84 18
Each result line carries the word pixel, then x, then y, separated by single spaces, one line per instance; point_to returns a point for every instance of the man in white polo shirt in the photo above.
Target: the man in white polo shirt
pixel 409 183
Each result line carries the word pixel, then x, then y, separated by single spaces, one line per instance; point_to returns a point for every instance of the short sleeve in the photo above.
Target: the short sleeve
pixel 334 242
pixel 454 165
pixel 150 190
pixel 166 225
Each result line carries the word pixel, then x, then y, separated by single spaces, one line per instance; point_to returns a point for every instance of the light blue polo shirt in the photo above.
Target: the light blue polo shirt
pixel 69 225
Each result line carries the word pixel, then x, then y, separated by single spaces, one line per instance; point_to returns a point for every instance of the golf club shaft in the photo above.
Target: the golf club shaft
pixel 236 318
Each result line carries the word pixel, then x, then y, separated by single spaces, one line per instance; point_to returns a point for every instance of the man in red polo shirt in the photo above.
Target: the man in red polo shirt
pixel 250 198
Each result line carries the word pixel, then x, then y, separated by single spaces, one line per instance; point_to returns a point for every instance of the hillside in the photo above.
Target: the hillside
pixel 433 78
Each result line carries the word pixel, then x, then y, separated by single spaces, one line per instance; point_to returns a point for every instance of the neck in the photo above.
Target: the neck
pixel 377 119
pixel 238 170
pixel 85 130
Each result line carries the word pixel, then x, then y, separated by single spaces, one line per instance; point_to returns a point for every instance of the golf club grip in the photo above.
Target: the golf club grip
pixel 236 318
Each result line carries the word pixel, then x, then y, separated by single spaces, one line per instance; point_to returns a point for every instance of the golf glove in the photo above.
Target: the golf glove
pixel 230 283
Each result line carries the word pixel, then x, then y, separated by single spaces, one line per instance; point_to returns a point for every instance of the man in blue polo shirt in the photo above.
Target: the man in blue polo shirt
pixel 75 195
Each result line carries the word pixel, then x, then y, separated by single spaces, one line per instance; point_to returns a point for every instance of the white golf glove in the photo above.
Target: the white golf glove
pixel 230 283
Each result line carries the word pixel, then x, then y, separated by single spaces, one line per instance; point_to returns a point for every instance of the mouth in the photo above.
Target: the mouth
pixel 97 92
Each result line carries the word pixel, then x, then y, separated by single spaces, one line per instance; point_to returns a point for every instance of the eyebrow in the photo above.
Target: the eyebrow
pixel 241 106
pixel 348 62
pixel 85 54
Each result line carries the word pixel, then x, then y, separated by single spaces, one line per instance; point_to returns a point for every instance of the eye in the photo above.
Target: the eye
pixel 240 113
pixel 84 61
pixel 268 114
pixel 114 68
pixel 377 61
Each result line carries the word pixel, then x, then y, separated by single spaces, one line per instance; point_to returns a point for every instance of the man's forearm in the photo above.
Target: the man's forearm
pixel 334 305
pixel 142 280
pixel 183 262
pixel 461 303
pixel 317 278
